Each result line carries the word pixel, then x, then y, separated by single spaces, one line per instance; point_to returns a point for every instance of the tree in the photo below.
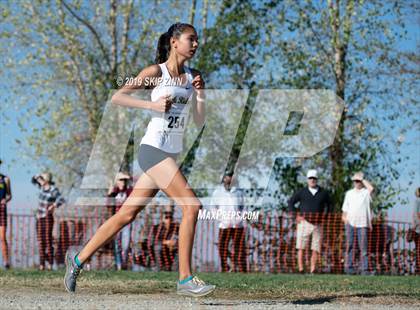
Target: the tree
pixel 348 46
pixel 72 55
pixel 234 43
pixel 343 45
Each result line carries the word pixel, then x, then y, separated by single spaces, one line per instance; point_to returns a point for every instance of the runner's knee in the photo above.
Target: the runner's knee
pixel 191 210
pixel 126 216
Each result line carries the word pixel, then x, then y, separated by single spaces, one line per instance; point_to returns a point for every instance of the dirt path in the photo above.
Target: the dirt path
pixel 36 299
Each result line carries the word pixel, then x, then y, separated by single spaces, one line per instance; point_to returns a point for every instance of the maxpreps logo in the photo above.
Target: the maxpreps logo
pixel 222 215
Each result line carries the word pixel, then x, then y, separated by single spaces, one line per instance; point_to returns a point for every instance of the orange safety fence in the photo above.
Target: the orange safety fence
pixel 268 244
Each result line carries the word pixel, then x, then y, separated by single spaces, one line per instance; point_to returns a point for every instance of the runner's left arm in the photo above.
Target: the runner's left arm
pixel 198 105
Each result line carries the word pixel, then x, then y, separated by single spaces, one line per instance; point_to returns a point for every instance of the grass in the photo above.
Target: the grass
pixel 289 287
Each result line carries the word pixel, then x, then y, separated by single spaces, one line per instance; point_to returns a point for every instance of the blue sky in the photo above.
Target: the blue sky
pixel 20 169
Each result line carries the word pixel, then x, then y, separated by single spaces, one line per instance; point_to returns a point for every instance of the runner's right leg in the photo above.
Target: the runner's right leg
pixel 144 190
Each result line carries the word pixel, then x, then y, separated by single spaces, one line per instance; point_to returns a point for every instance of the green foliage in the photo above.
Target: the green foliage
pixel 70 54
pixel 312 45
pixel 73 51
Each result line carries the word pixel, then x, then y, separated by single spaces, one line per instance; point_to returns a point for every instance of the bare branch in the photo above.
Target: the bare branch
pixel 113 32
pixel 347 24
pixel 192 12
pixel 91 29
pixel 126 29
pixel 320 44
pixel 205 13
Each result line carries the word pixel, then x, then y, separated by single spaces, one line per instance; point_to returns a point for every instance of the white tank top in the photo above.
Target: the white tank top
pixel 165 130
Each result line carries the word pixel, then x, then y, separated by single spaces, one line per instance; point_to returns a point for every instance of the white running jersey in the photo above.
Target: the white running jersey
pixel 165 130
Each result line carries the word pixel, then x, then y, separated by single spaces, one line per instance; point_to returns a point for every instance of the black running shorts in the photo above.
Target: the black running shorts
pixel 148 156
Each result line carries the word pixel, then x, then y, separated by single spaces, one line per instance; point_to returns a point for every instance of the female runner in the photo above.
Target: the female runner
pixel 158 152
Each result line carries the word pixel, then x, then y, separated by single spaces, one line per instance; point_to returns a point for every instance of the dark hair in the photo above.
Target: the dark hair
pixel 164 44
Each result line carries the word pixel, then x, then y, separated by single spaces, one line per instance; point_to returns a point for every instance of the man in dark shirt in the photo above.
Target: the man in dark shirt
pixel 314 203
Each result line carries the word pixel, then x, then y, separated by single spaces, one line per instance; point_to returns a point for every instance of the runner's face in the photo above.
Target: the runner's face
pixel 186 45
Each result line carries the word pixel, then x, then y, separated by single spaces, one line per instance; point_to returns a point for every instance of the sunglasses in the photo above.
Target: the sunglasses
pixel 357 181
pixel 312 178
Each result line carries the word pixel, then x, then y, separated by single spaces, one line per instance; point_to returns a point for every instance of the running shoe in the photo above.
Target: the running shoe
pixel 72 272
pixel 194 287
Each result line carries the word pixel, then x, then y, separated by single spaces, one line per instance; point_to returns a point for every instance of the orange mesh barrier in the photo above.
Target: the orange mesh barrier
pixel 272 244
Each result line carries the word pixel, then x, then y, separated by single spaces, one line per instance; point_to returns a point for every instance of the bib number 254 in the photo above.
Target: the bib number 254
pixel 176 122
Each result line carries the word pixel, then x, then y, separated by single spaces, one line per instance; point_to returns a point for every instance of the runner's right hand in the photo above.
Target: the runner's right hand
pixel 163 104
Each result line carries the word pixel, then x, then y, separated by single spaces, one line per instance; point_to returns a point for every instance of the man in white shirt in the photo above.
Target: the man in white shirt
pixel 357 217
pixel 230 200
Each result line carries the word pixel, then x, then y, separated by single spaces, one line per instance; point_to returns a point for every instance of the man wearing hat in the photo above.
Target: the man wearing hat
pixel 120 192
pixel 357 217
pixel 5 197
pixel 49 198
pixel 314 203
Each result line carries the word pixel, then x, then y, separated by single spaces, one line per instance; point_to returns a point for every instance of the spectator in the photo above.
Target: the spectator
pixel 144 254
pixel 256 244
pixel 120 192
pixel 381 244
pixel 314 203
pixel 49 198
pixel 166 235
pixel 357 217
pixel 416 228
pixel 230 199
pixel 5 197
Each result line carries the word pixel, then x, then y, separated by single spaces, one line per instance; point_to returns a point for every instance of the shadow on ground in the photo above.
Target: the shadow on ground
pixel 328 299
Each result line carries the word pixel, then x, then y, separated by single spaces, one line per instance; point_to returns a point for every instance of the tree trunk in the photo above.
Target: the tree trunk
pixel 192 12
pixel 336 150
